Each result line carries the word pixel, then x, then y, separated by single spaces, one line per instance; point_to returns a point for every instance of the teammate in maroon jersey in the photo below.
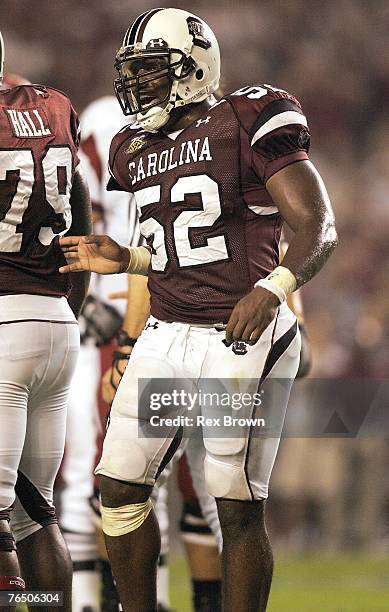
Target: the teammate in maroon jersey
pixel 213 183
pixel 42 195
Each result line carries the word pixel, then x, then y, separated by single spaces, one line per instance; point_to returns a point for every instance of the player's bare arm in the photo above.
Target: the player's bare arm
pixel 137 313
pixel 302 199
pixel 138 305
pixel 81 224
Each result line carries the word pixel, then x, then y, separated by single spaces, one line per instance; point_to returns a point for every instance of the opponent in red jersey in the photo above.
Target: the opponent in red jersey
pixel 213 183
pixel 42 196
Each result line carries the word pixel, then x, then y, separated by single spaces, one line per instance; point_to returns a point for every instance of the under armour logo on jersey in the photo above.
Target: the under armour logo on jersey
pixel 152 325
pixel 156 43
pixel 239 348
pixel 200 121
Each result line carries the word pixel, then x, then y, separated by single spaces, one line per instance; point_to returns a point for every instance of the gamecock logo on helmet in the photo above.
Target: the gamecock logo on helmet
pixel 196 28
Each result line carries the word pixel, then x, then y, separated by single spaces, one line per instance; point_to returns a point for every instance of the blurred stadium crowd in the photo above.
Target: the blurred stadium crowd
pixel 334 56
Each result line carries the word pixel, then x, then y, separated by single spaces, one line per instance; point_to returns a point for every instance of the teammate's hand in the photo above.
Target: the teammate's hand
pixel 251 315
pixel 95 253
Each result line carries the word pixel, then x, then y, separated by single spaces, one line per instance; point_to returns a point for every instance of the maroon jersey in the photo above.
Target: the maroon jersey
pixel 204 208
pixel 38 156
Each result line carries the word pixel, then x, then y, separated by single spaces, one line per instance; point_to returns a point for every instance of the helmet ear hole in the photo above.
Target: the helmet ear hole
pixel 199 74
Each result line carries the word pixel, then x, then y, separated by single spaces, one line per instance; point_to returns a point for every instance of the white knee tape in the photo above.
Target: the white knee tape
pixel 122 520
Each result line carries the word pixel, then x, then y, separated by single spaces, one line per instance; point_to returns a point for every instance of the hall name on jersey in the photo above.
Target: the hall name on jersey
pixel 190 151
pixel 28 123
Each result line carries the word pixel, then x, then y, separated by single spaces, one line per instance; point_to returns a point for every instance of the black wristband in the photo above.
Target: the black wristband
pixel 119 355
pixel 123 339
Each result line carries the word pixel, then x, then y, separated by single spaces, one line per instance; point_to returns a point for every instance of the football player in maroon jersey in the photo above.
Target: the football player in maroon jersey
pixel 42 196
pixel 213 182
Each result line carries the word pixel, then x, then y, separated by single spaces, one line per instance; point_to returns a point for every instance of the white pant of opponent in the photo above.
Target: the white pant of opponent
pixel 37 360
pixel 238 466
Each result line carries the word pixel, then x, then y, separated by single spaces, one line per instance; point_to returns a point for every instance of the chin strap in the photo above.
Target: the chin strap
pixel 157 117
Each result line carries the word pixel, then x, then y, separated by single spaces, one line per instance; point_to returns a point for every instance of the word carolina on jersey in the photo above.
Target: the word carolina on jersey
pixel 190 151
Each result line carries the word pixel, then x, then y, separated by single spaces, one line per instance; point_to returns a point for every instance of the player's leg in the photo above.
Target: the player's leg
pixel 43 555
pixel 200 543
pixel 161 512
pixel 46 564
pixel 130 526
pixel 13 411
pixel 109 593
pixel 129 466
pixel 244 522
pixel 133 554
pixel 15 368
pixel 245 541
pixel 238 466
pixel 10 574
pixel 76 514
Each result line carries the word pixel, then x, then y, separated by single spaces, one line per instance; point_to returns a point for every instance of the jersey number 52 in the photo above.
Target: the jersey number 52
pixel 215 248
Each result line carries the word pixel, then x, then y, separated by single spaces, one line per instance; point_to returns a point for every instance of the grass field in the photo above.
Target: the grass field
pixel 312 584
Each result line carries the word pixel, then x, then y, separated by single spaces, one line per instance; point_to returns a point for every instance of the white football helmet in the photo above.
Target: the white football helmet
pixel 169 58
pixel 1 57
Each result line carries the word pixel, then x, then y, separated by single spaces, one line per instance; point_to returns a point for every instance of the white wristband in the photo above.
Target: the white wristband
pixel 284 278
pixel 281 282
pixel 139 263
pixel 266 284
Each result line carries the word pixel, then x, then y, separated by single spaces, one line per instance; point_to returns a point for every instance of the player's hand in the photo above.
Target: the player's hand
pixel 251 315
pixel 95 253
pixel 112 377
pixel 108 389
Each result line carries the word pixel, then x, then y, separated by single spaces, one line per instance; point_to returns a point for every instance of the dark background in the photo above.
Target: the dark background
pixel 334 56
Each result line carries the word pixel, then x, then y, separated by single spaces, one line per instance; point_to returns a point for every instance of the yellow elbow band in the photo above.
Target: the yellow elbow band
pixel 140 258
pixel 281 282
pixel 119 521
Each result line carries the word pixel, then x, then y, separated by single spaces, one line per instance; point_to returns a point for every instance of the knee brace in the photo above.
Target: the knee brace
pixel 119 521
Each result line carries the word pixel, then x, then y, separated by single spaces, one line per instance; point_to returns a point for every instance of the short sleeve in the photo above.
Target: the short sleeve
pixel 279 137
pixel 276 126
pixel 118 180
